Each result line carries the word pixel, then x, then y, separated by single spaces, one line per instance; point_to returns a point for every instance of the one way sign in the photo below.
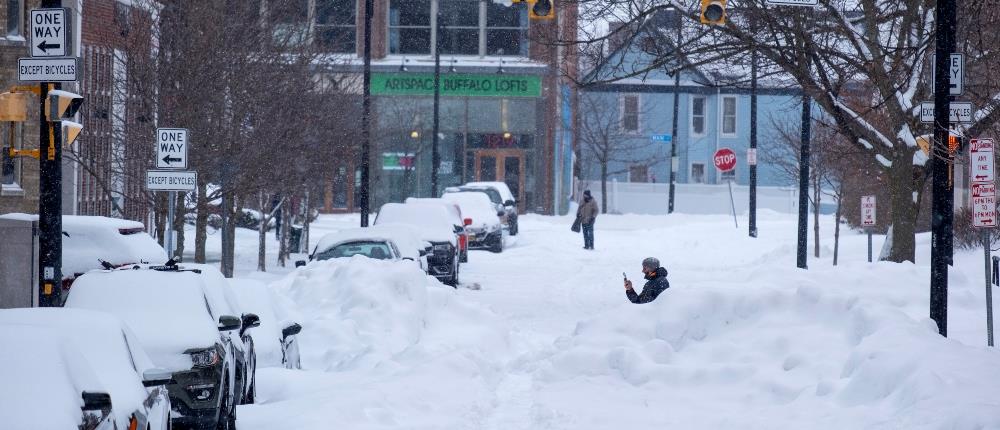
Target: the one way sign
pixel 48 32
pixel 171 148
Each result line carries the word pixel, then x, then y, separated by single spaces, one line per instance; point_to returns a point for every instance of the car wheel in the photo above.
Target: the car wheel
pixel 464 258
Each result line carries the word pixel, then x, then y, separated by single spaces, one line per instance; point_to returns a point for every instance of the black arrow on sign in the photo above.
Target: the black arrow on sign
pixel 46 46
pixel 169 160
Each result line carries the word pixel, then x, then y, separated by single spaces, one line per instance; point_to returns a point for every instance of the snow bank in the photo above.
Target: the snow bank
pixel 768 358
pixel 274 312
pixel 363 313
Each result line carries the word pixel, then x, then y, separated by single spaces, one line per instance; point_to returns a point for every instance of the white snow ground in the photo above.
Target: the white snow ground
pixel 742 339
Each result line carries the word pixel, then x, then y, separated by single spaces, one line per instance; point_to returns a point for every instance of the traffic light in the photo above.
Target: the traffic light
pixel 14 107
pixel 62 104
pixel 539 9
pixel 952 143
pixel 70 131
pixel 713 12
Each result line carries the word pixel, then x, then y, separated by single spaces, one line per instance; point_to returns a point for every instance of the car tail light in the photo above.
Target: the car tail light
pixel 133 423
pixel 463 241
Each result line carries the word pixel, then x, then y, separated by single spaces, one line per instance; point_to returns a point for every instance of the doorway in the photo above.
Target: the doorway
pixel 502 165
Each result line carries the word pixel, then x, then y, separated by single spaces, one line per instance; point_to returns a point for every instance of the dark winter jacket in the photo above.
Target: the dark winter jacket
pixel 654 286
pixel 587 212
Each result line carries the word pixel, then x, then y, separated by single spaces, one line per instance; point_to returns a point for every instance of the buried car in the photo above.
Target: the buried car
pixel 482 220
pixel 171 316
pixel 117 359
pixel 432 224
pixel 501 196
pixel 455 211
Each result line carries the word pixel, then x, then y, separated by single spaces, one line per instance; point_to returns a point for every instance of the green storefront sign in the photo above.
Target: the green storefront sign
pixel 456 84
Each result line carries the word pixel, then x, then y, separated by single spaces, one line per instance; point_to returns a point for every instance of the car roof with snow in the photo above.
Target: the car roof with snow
pixel 167 310
pixel 90 239
pixel 109 346
pixel 476 206
pixel 432 222
pixel 499 186
pixel 44 377
pixel 452 208
pixel 357 234
pixel 408 241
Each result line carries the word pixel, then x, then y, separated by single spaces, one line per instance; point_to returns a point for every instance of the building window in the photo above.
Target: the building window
pixel 410 27
pixel 15 18
pixel 638 173
pixel 470 27
pixel 336 25
pixel 697 173
pixel 506 30
pixel 729 115
pixel 10 174
pixel 698 115
pixel 630 113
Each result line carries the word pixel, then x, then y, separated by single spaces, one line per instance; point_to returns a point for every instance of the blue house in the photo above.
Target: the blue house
pixel 620 111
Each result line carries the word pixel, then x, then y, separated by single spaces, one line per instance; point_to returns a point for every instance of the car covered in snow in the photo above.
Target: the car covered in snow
pixel 455 211
pixel 482 219
pixel 277 336
pixel 105 345
pixel 366 241
pixel 433 224
pixel 499 193
pixel 171 315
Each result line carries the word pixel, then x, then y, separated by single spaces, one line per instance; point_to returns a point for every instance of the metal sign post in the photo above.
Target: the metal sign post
pixel 984 211
pixel 868 217
pixel 725 161
pixel 171 153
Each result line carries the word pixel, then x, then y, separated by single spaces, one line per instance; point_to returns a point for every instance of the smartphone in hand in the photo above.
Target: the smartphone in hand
pixel 625 276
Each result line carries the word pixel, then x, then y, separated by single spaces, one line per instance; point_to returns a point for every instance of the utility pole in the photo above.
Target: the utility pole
pixel 674 164
pixel 366 107
pixel 803 234
pixel 49 197
pixel 753 141
pixel 940 233
pixel 435 155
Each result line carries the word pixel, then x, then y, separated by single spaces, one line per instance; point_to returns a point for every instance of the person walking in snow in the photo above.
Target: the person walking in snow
pixel 656 282
pixel 586 214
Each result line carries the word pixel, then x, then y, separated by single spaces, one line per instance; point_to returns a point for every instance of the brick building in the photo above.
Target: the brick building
pixel 18 177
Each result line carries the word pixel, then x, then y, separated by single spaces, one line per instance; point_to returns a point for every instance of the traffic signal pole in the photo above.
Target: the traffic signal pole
pixel 940 234
pixel 435 154
pixel 49 202
pixel 366 107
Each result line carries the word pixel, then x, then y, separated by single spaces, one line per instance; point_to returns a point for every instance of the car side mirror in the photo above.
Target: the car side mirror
pixel 509 203
pixel 290 330
pixel 95 401
pixel 249 321
pixel 156 376
pixel 229 323
pixel 300 263
pixel 467 221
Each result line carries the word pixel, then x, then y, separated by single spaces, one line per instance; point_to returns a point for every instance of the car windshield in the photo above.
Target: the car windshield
pixel 376 250
pixel 493 194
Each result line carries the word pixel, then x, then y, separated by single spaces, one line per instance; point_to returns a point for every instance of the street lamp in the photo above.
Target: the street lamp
pixel 435 156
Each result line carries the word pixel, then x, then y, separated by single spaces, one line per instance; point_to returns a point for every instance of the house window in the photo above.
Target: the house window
pixel 697 173
pixel 11 171
pixel 630 113
pixel 15 15
pixel 729 115
pixel 410 27
pixel 697 115
pixel 638 173
pixel 469 27
pixel 335 25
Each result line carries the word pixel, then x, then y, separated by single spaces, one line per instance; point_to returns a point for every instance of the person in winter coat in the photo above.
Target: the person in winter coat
pixel 656 282
pixel 587 214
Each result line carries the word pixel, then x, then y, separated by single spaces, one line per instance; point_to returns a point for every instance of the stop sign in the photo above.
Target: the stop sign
pixel 725 159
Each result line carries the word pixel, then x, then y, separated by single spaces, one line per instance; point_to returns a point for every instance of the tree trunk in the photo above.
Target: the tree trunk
pixel 307 211
pixel 201 224
pixel 817 195
pixel 903 209
pixel 262 243
pixel 604 187
pixel 286 234
pixel 836 226
pixel 229 245
pixel 180 210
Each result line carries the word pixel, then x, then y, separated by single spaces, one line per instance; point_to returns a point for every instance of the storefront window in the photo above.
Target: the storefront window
pixel 336 25
pixel 410 27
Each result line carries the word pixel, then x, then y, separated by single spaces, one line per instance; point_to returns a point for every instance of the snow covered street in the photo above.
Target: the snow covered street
pixel 542 336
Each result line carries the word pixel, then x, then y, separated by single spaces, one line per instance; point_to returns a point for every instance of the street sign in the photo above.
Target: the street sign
pixel 956 73
pixel 959 112
pixel 981 166
pixel 984 204
pixel 811 3
pixel 171 148
pixel 752 156
pixel 171 180
pixel 725 159
pixel 868 215
pixel 47 69
pixel 665 138
pixel 48 32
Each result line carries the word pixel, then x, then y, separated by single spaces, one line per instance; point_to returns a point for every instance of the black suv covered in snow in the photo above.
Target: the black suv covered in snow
pixel 431 223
